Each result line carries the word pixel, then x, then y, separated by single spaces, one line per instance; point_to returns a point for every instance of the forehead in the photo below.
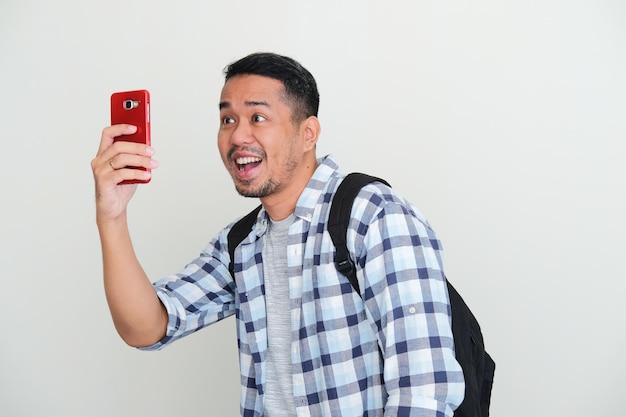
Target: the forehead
pixel 251 87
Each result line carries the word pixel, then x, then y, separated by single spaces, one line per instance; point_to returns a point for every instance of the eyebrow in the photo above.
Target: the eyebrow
pixel 226 104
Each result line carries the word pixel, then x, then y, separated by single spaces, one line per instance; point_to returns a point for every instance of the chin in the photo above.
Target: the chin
pixel 248 193
pixel 264 190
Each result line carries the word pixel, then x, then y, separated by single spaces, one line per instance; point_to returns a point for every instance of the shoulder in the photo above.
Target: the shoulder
pixel 381 212
pixel 376 200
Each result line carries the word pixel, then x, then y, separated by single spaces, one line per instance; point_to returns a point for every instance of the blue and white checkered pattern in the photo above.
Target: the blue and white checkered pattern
pixel 336 334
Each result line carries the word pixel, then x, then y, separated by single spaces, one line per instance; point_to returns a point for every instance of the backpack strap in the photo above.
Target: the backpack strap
pixel 238 233
pixel 339 219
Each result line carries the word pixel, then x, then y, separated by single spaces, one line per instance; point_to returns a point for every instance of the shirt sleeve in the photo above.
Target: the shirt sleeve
pixel 200 294
pixel 406 295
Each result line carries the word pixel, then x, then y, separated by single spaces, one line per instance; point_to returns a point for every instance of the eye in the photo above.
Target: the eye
pixel 227 120
pixel 258 118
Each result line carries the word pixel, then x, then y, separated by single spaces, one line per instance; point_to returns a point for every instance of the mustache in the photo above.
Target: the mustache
pixel 251 150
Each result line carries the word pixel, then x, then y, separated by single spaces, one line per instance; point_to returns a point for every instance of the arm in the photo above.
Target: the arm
pixel 137 313
pixel 407 296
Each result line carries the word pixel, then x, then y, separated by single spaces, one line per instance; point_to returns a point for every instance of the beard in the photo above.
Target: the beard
pixel 260 191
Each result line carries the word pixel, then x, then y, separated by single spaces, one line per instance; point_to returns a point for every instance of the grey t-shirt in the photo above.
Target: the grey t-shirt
pixel 278 382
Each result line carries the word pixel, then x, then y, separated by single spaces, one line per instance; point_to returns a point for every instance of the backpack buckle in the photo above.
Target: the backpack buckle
pixel 343 263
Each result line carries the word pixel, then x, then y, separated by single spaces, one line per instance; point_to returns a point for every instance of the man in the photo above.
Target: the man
pixel 309 344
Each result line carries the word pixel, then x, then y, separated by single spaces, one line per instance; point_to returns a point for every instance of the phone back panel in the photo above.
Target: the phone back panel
pixel 132 107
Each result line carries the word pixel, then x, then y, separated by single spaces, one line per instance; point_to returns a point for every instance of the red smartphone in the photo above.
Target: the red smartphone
pixel 132 107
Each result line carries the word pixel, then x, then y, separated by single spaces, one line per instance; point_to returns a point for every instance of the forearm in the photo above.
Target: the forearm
pixel 138 315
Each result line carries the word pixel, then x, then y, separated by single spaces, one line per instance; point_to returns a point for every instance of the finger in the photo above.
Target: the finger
pixel 121 149
pixel 113 159
pixel 129 160
pixel 110 133
pixel 129 174
pixel 108 174
pixel 106 170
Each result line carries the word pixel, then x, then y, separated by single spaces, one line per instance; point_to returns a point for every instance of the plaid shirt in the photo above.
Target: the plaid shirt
pixel 337 368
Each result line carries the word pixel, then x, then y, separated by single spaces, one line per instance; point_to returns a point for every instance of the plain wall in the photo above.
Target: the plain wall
pixel 503 121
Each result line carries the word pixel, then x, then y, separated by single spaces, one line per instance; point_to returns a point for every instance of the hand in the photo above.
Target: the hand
pixel 109 170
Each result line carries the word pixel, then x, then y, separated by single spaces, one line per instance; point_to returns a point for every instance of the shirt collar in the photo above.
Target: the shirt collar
pixel 311 195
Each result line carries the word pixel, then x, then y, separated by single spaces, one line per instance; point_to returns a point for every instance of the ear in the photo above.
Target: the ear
pixel 311 130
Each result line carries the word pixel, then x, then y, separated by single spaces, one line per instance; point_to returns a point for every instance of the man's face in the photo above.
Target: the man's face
pixel 259 144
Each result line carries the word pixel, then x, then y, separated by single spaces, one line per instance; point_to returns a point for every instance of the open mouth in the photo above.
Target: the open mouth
pixel 247 163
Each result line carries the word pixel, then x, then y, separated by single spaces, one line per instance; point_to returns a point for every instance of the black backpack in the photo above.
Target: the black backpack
pixel 478 367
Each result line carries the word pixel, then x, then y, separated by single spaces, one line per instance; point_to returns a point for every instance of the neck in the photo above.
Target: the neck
pixel 281 204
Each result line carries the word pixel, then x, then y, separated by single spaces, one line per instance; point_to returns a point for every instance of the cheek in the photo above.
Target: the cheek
pixel 223 146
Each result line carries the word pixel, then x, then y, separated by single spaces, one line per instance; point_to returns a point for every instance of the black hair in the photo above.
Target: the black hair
pixel 300 86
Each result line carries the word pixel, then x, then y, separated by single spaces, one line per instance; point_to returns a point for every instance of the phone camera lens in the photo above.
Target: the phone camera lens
pixel 128 104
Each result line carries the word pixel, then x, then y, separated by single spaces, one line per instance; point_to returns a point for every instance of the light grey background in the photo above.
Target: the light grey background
pixel 503 121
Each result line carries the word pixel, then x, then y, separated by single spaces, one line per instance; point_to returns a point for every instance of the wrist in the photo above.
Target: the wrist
pixel 108 223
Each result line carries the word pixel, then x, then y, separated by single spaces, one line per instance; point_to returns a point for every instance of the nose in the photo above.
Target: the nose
pixel 241 134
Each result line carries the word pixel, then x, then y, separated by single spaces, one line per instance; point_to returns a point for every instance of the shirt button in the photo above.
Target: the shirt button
pixel 309 216
pixel 412 310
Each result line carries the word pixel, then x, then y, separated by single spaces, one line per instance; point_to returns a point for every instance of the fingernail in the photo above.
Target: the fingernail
pixel 154 163
pixel 149 150
pixel 132 128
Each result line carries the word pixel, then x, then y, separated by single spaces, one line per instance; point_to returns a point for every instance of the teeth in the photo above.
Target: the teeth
pixel 247 160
